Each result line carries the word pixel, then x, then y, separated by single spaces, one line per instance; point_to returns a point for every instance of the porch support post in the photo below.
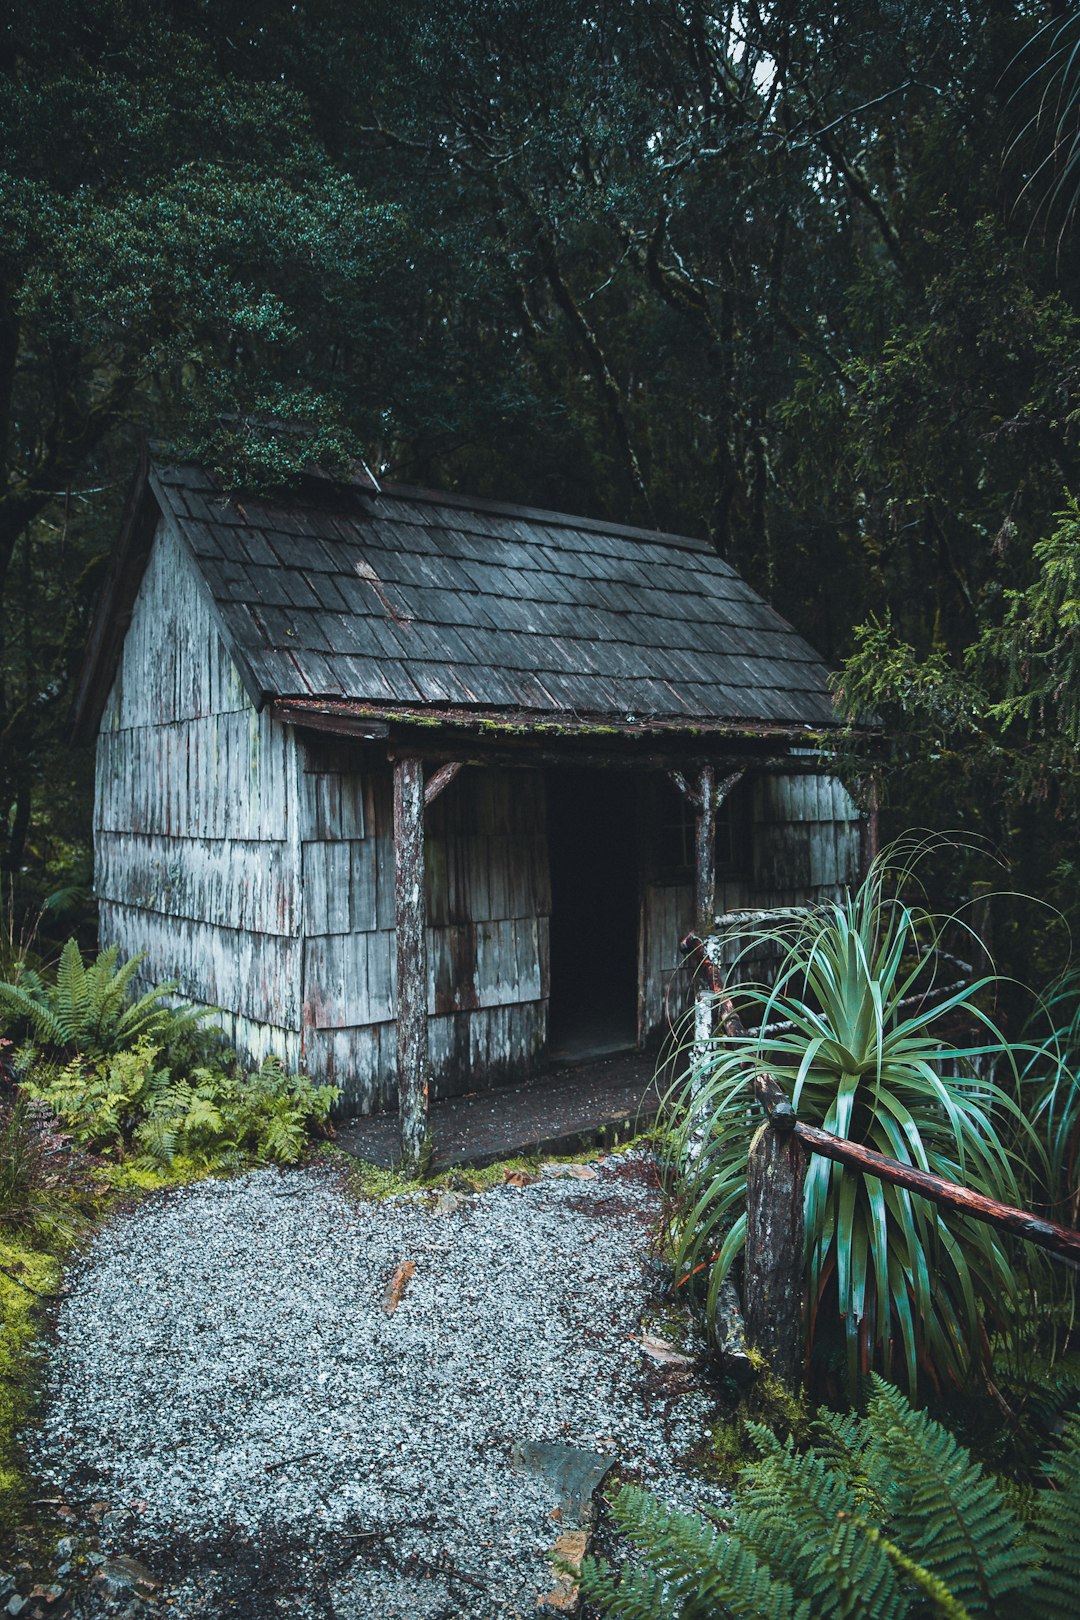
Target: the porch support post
pixel 705 850
pixel 705 794
pixel 412 976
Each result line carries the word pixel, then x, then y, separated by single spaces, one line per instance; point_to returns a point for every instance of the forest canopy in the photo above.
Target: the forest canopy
pixel 804 283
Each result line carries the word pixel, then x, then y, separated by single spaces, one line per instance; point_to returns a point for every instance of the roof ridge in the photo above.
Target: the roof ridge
pixel 540 514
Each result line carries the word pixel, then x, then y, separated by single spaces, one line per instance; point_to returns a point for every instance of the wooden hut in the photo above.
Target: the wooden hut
pixel 419 789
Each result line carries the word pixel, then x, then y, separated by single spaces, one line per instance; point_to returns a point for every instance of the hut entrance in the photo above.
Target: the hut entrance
pixel 592 851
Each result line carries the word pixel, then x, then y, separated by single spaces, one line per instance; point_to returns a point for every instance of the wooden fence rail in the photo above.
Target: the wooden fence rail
pixel 773 1267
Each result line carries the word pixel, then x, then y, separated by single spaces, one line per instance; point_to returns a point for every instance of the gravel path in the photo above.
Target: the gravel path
pixel 232 1405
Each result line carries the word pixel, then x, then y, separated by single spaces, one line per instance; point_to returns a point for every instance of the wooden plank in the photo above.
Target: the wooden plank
pixel 441 779
pixel 363 911
pixel 412 977
pixel 252 974
pixel 238 883
pixel 359 1061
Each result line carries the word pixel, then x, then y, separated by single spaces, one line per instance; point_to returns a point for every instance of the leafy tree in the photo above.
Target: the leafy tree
pixel 177 248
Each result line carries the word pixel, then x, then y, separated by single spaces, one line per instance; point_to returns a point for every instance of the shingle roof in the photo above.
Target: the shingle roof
pixel 403 597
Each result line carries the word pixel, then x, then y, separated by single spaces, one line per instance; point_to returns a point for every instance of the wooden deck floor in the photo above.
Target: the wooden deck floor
pixel 562 1111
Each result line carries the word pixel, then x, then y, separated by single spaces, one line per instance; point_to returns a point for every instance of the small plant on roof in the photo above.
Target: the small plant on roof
pixel 853 1029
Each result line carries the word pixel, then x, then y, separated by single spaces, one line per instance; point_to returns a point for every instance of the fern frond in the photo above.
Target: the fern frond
pixel 71 998
pixel 158 1139
pixel 862 1577
pixel 944 1510
pixel 800 1516
pixel 630 1595
pixel 43 1023
pixel 789 1505
pixel 943 1606
pixel 703 1573
pixel 108 988
pixel 1055 1532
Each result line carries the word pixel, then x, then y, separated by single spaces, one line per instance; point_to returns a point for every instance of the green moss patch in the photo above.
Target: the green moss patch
pixel 21 1321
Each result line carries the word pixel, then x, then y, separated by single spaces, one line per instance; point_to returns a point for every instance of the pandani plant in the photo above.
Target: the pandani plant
pixel 855 1028
pixel 883 1517
pixel 1053 1090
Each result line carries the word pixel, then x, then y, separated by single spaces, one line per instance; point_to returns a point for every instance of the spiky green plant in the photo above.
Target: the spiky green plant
pixel 91 1011
pixel 885 1517
pixel 850 1030
pixel 1050 1077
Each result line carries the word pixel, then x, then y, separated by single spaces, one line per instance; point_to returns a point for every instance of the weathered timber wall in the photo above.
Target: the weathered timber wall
pixel 195 820
pixel 804 847
pixel 488 903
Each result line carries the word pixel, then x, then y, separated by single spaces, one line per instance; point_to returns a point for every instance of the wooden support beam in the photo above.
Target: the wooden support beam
pixel 412 977
pixel 707 795
pixel 689 793
pixel 441 779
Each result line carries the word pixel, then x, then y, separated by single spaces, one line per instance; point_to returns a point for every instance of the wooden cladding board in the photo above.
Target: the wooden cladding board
pixel 220 776
pixel 488 903
pixel 239 883
pixel 254 975
pixel 196 858
pixel 468 1051
pixel 351 979
pixel 805 842
pixel 174 665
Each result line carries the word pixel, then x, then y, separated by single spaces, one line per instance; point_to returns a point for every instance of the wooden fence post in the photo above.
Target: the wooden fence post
pixel 773 1265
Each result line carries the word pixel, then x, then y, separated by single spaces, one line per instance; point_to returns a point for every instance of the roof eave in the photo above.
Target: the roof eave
pixel 374 719
pixel 116 599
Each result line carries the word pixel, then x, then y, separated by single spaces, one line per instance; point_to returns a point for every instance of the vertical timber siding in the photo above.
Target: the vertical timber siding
pixel 194 816
pixel 488 903
pixel 805 848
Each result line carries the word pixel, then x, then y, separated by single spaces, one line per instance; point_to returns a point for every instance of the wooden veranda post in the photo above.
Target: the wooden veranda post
pixel 705 795
pixel 412 975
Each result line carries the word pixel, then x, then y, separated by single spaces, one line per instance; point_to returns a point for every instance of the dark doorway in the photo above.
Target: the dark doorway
pixel 592 845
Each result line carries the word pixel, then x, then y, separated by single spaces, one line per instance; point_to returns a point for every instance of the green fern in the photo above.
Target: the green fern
pixel 88 1011
pixel 886 1517
pixel 800 1515
pixel 698 1572
pixel 1055 1533
pixel 131 1103
pixel 943 1508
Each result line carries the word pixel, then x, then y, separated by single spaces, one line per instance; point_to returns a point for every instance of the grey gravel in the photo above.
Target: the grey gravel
pixel 268 1440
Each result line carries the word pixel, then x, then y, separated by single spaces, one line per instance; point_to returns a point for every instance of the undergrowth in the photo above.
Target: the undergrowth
pixel 112 1093
pixel 132 1106
pixel 883 1517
